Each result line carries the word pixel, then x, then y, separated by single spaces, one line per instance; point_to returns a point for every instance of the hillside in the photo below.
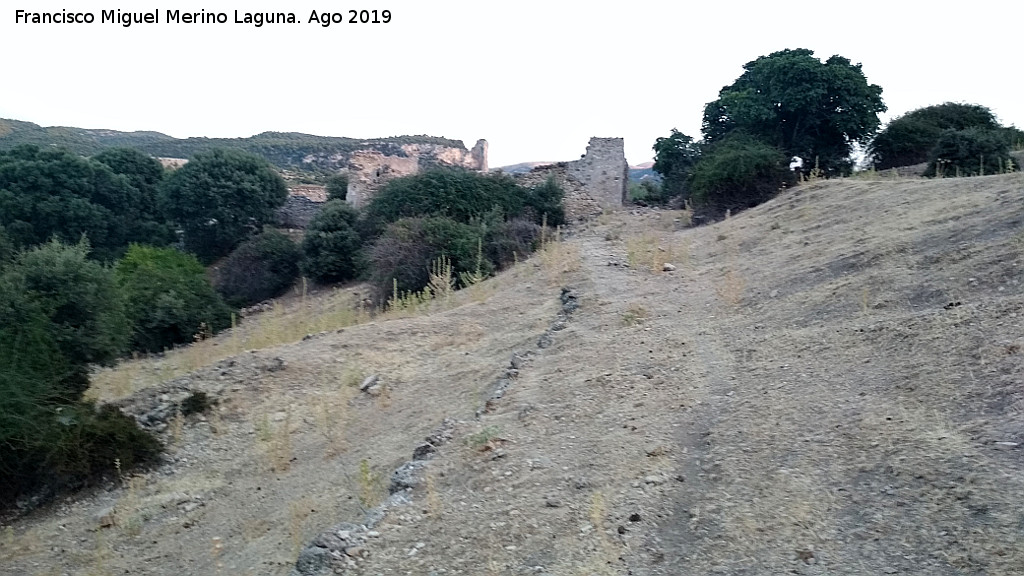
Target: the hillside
pixel 636 173
pixel 829 383
pixel 286 150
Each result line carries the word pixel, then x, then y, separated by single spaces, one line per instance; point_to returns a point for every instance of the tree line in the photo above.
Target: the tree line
pixel 791 108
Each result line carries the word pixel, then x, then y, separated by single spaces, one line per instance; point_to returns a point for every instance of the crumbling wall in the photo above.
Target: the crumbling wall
pixel 579 205
pixel 302 204
pixel 598 180
pixel 603 171
pixel 370 170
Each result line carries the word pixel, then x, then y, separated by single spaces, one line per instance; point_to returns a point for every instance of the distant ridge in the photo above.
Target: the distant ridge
pixel 636 173
pixel 286 150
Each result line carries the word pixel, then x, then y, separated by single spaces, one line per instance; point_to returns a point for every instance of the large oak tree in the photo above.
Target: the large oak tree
pixel 813 110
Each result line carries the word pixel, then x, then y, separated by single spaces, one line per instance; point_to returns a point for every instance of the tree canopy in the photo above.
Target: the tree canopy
pixel 331 246
pixel 674 157
pixel 48 194
pixel 910 138
pixel 219 198
pixel 808 109
pixel 737 172
pixel 169 298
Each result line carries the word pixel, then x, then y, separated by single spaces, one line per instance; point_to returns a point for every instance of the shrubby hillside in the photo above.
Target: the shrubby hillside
pixel 285 150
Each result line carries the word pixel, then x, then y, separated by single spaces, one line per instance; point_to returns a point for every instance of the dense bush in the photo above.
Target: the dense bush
pixel 545 203
pixel 262 267
pixel 337 187
pixel 59 312
pixel 219 198
pixel 331 247
pixel 674 158
pixel 970 152
pixel 81 302
pixel 459 195
pixel 911 138
pixel 144 174
pixel 47 447
pixel 402 256
pixel 507 242
pixel 649 192
pixel 48 194
pixel 738 172
pixel 169 299
pixel 7 248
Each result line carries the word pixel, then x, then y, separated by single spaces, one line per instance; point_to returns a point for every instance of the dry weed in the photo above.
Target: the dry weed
pixel 371 490
pixel 434 506
pixel 332 416
pixel 559 259
pixel 731 287
pixel 298 511
pixel 634 315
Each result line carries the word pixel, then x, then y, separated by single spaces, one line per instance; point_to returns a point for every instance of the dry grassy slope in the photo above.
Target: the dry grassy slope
pixel 799 399
pixel 799 396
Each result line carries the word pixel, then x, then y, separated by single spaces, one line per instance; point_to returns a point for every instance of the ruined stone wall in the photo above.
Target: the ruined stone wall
pixel 370 170
pixel 302 204
pixel 603 171
pixel 579 205
pixel 598 180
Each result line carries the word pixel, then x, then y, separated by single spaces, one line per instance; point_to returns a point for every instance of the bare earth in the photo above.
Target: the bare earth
pixel 830 383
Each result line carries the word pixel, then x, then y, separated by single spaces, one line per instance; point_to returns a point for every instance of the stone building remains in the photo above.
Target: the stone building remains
pixel 603 171
pixel 370 170
pixel 598 180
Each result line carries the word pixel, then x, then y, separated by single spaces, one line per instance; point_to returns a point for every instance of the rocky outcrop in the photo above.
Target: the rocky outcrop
pixel 369 170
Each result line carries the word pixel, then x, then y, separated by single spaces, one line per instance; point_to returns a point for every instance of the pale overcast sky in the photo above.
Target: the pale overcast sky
pixel 536 79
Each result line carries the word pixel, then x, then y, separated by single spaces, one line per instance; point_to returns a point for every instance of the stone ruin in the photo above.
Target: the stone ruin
pixel 603 171
pixel 302 204
pixel 370 170
pixel 598 180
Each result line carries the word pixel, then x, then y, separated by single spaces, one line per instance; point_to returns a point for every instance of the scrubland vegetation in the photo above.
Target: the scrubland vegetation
pixel 104 256
pixel 111 255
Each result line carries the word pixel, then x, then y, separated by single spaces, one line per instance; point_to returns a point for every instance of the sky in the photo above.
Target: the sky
pixel 535 79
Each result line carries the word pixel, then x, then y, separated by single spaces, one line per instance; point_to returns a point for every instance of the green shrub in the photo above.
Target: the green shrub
pixel 262 267
pixel 648 192
pixel 545 201
pixel 456 194
pixel 910 139
pixel 337 187
pixel 68 445
pixel 738 172
pixel 58 313
pixel 404 253
pixel 505 242
pixel 331 248
pixel 7 249
pixel 87 441
pixel 219 198
pixel 169 297
pixel 144 174
pixel 197 402
pixel 674 157
pixel 47 194
pixel 970 152
pixel 81 300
